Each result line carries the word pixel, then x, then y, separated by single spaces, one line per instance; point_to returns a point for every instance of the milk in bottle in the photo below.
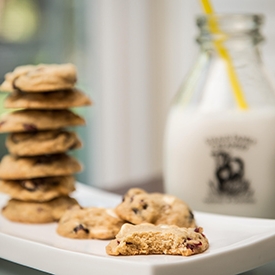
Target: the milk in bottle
pixel 219 157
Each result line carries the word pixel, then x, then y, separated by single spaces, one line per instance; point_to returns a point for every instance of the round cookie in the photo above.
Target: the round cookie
pixel 139 206
pixel 38 189
pixel 43 77
pixel 89 223
pixel 37 212
pixel 7 85
pixel 52 100
pixel 146 239
pixel 173 211
pixel 13 168
pixel 35 120
pixel 40 143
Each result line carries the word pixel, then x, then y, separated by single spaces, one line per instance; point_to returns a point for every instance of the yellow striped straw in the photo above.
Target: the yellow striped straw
pixel 236 86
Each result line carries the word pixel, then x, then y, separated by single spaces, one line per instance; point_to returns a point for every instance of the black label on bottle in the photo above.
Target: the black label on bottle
pixel 229 182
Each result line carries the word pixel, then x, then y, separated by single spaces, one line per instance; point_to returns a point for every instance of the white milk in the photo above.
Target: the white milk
pixel 222 162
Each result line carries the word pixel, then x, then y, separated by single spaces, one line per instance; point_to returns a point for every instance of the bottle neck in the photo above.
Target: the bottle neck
pixel 242 50
pixel 235 33
pixel 239 48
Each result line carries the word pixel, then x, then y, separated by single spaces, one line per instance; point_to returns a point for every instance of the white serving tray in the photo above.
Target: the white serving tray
pixel 236 245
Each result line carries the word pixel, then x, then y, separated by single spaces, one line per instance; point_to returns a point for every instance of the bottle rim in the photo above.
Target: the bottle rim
pixel 230 25
pixel 253 17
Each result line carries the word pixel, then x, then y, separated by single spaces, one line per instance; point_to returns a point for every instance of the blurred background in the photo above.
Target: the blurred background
pixel 131 58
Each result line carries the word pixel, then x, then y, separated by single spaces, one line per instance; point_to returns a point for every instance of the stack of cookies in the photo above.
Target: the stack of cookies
pixel 38 173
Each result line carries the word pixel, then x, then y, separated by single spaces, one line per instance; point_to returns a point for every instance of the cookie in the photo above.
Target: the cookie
pixel 147 239
pixel 37 120
pixel 13 168
pixel 40 143
pixel 7 85
pixel 38 189
pixel 173 211
pixel 43 77
pixel 139 206
pixel 52 100
pixel 37 212
pixel 89 223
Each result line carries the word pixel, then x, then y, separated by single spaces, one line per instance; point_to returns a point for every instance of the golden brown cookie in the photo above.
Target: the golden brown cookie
pixel 7 85
pixel 14 168
pixel 40 78
pixel 139 206
pixel 40 143
pixel 89 223
pixel 37 212
pixel 37 120
pixel 147 239
pixel 52 100
pixel 38 189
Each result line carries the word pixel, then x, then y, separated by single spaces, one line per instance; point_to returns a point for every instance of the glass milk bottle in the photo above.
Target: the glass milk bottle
pixel 219 147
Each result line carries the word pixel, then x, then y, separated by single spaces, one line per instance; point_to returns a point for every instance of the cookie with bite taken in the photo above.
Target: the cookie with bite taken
pixel 146 239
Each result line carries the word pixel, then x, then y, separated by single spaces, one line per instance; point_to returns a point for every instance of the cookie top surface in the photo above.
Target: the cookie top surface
pixel 40 78
pixel 173 211
pixel 158 239
pixel 138 206
pixel 13 168
pixel 52 100
pixel 35 120
pixel 7 85
pixel 40 143
pixel 38 189
pixel 89 223
pixel 37 212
